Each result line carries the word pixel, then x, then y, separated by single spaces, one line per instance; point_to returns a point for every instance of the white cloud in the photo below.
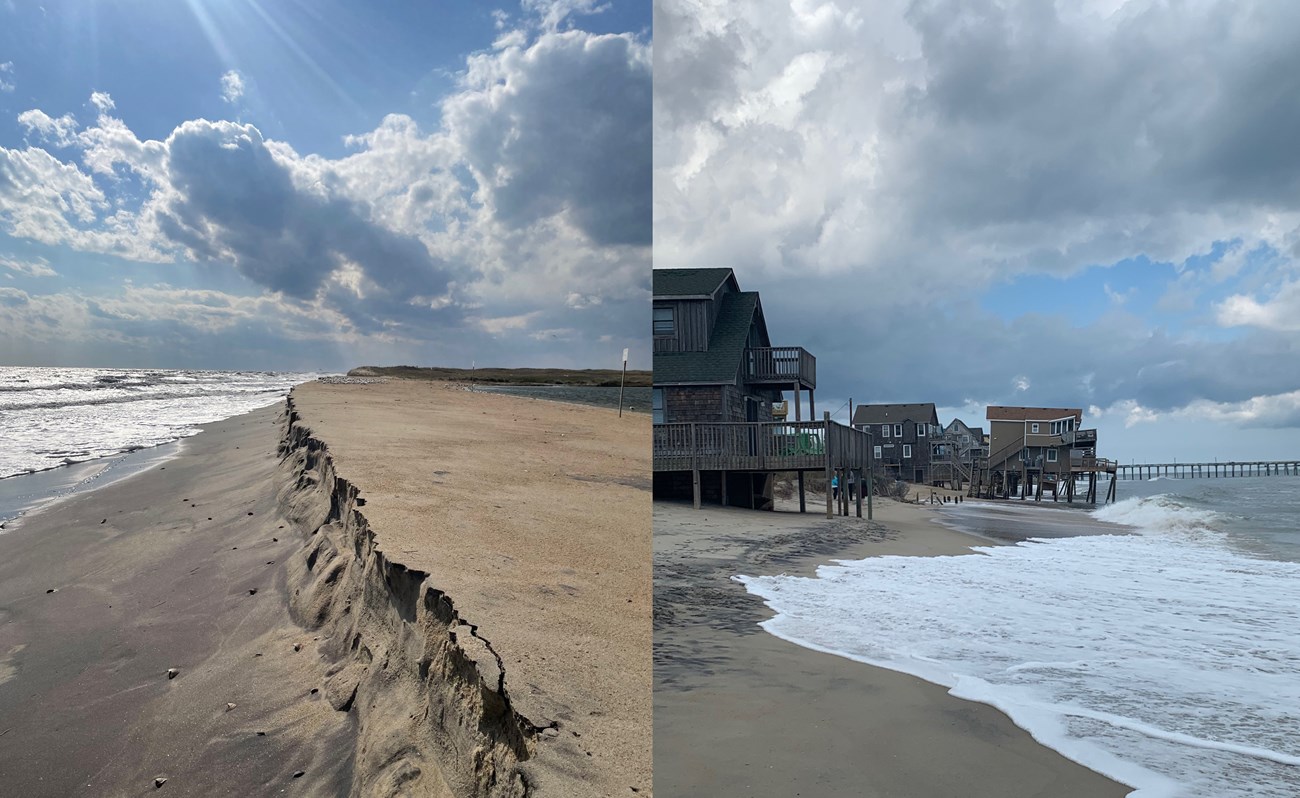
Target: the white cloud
pixel 232 86
pixel 415 235
pixel 1280 312
pixel 35 267
pixel 807 138
pixel 60 132
pixel 102 101
pixel 7 76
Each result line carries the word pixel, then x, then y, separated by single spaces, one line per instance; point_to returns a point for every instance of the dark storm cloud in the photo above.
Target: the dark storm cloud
pixel 956 353
pixel 564 124
pixel 234 198
pixel 1027 116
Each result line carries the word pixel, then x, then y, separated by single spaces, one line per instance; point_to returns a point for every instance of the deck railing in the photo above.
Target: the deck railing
pixel 781 364
pixel 1079 436
pixel 758 446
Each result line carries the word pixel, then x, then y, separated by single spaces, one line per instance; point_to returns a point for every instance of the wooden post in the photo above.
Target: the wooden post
pixel 724 489
pixel 695 468
pixel 803 507
pixel 844 492
pixel 862 486
pixel 871 474
pixel 622 380
pixel 796 408
pixel 826 445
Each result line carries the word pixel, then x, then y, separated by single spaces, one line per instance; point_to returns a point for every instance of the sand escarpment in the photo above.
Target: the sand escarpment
pixel 434 716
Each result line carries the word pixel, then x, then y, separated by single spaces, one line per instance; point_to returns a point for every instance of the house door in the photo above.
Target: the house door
pixel 920 476
pixel 751 415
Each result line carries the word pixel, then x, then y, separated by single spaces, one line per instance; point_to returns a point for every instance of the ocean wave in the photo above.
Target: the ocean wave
pixel 1170 665
pixel 1163 514
pixel 56 416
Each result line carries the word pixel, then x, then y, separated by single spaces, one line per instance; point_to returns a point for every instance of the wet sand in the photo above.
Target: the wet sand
pixel 151 573
pixel 739 712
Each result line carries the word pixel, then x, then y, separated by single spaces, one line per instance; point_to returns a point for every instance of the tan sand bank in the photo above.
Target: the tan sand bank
pixel 522 531
pixel 739 712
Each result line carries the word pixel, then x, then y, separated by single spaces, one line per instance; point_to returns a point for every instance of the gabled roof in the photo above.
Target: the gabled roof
pixel 682 283
pixel 721 363
pixel 996 413
pixel 893 414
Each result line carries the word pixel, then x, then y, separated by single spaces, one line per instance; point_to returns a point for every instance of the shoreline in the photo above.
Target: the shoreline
pixel 24 495
pixel 882 730
pixel 305 635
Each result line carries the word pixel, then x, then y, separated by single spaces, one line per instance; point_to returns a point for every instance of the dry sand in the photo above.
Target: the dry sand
pixel 739 712
pixel 534 518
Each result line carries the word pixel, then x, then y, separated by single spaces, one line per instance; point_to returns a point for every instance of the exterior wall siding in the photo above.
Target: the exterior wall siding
pixel 693 320
pixel 694 403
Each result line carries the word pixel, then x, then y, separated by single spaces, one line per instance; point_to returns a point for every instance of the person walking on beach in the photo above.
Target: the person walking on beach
pixel 835 487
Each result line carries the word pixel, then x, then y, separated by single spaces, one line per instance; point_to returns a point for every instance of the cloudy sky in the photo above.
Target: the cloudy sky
pixel 309 185
pixel 1092 204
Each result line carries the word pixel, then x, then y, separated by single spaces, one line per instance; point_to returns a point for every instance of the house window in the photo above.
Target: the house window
pixel 657 405
pixel 920 430
pixel 1051 455
pixel 1056 428
pixel 884 430
pixel 1033 428
pixel 907 451
pixel 664 322
pixel 877 452
pixel 1024 454
pixel 1069 425
pixel 898 430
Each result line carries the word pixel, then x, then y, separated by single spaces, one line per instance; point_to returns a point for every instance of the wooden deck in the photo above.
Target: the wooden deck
pixel 781 366
pixel 759 446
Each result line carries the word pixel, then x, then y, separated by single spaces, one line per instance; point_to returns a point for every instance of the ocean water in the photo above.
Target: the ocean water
pixel 52 417
pixel 1166 657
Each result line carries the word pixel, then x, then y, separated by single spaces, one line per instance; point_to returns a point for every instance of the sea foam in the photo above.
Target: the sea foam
pixel 1166 659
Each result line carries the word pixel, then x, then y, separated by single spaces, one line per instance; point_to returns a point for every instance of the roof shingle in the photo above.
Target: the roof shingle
pixel 688 282
pixel 721 363
pixel 893 414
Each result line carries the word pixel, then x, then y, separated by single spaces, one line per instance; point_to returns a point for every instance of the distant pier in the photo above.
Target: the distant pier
pixel 1255 468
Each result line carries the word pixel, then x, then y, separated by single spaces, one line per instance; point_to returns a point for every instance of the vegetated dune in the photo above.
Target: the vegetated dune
pixel 608 378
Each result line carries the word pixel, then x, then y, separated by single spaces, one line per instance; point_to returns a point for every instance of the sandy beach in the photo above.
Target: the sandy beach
pixel 739 712
pixel 403 592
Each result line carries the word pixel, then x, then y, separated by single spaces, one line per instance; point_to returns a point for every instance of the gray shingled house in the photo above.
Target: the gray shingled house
pixel 714 364
pixel 902 438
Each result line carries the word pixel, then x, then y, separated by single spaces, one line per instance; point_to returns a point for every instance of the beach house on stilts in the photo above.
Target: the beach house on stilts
pixel 1032 449
pixel 723 425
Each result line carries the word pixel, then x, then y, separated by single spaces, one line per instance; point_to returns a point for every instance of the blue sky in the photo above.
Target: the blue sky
pixel 1092 204
pixel 240 184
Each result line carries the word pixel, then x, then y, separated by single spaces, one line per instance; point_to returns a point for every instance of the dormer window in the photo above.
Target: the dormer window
pixel 664 322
